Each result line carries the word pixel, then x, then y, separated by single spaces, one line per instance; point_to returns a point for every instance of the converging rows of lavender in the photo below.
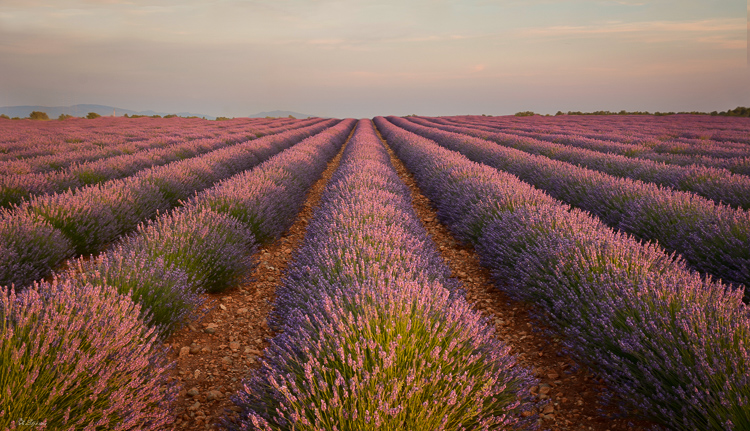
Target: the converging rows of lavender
pixel 629 235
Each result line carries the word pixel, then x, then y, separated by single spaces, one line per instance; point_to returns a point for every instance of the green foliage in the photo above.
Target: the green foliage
pixel 525 114
pixel 292 117
pixel 224 118
pixel 170 116
pixel 739 111
pixel 92 115
pixel 736 112
pixel 4 116
pixel 64 117
pixel 38 115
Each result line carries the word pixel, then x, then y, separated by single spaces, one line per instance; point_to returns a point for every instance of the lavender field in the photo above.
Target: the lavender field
pixel 627 236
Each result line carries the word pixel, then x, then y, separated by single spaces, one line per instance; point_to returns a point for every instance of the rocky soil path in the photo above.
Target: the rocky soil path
pixel 572 390
pixel 215 354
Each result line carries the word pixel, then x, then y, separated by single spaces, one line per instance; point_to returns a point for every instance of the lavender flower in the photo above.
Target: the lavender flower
pixel 77 356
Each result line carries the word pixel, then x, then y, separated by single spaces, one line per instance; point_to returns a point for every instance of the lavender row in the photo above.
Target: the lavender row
pixel 648 149
pixel 41 233
pixel 375 336
pixel 83 351
pixel 72 155
pixel 714 239
pixel 652 131
pixel 38 146
pixel 16 187
pixel 721 186
pixel 205 246
pixel 670 345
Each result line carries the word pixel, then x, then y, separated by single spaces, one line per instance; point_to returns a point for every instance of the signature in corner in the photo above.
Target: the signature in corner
pixel 30 423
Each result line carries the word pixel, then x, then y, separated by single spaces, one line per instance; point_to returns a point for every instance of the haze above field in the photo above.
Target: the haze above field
pixel 362 58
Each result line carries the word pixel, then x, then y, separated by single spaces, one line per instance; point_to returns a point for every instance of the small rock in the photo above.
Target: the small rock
pixel 227 360
pixel 211 328
pixel 549 417
pixel 206 350
pixel 214 395
pixel 195 349
pixel 184 351
pixel 223 307
pixel 548 409
pixel 193 392
pixel 242 311
pixel 553 376
pixel 197 374
pixel 252 351
pixel 234 346
pixel 544 389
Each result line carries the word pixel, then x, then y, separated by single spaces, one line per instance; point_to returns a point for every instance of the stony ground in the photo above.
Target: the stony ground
pixel 214 355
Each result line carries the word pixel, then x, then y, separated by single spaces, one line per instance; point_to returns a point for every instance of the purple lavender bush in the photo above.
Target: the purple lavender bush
pixel 166 297
pixel 29 248
pixel 376 336
pixel 670 344
pixel 211 248
pixel 267 198
pixel 76 356
pixel 387 356
pixel 94 216
pixel 714 239
pixel 718 185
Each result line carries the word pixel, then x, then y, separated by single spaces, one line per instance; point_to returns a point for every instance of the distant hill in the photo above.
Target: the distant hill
pixel 81 111
pixel 281 114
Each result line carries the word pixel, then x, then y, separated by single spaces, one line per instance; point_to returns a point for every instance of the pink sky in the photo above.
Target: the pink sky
pixel 362 58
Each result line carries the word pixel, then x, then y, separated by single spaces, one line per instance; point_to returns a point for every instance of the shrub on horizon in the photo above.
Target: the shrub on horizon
pixel 92 115
pixel 76 356
pixel 38 115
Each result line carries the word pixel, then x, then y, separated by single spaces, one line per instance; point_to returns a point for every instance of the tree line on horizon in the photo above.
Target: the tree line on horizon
pixel 739 111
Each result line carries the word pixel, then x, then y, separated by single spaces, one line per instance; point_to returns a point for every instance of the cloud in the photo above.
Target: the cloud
pixel 722 33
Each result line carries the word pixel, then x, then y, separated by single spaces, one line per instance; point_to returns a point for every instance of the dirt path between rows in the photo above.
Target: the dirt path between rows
pixel 572 391
pixel 215 354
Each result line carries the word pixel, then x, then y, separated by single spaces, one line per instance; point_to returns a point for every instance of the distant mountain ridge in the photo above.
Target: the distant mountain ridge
pixel 281 114
pixel 82 109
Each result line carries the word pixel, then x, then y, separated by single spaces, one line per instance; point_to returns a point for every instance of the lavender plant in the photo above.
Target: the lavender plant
pixel 267 198
pixel 375 333
pixel 29 248
pixel 714 239
pixel 94 216
pixel 76 356
pixel 670 344
pixel 211 248
pixel 166 297
pixel 718 185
